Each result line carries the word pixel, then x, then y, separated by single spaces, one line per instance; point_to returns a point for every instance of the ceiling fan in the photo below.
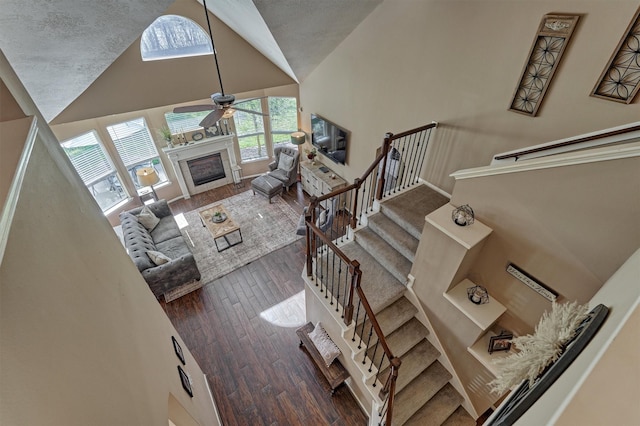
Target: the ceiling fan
pixel 224 105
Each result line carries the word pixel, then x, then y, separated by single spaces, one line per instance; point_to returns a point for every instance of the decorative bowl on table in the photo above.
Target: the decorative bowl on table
pixel 218 217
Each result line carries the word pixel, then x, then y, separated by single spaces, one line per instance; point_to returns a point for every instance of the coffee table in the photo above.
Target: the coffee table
pixel 223 230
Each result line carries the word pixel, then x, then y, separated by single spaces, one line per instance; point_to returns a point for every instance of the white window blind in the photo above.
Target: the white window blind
pixel 88 157
pixel 133 142
pixel 185 122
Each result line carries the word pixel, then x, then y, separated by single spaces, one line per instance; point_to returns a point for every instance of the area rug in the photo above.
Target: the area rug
pixel 265 227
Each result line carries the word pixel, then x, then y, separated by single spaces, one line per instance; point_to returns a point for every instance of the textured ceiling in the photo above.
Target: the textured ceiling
pixel 59 47
pixel 307 31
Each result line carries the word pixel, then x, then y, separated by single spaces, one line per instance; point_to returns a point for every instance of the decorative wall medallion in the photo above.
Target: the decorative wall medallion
pixel 547 49
pixel 620 80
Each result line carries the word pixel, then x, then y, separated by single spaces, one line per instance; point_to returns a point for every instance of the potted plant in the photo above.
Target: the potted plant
pixel 218 217
pixel 311 154
pixel 165 133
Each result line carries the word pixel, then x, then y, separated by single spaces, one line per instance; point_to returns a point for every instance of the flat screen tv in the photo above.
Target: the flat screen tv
pixel 329 139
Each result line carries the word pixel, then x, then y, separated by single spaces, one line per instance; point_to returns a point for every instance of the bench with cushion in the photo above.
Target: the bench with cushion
pixel 324 354
pixel 158 249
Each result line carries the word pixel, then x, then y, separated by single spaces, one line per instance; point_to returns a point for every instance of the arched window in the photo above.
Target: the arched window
pixel 172 36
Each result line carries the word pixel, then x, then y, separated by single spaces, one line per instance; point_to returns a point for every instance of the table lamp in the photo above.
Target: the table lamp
pixel 147 176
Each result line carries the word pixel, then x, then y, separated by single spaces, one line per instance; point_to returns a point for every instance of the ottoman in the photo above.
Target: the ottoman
pixel 267 186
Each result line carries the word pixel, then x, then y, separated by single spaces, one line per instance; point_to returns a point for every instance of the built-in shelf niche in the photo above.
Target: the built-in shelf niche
pixel 467 242
pixel 480 351
pixel 485 315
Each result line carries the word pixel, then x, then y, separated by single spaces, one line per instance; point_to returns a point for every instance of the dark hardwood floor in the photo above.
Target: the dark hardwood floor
pixel 257 372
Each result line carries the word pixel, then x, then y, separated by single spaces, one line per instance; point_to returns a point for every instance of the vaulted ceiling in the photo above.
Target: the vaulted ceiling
pixel 58 48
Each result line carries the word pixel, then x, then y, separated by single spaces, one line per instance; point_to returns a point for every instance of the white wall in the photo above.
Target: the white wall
pixel 83 339
pixel 601 386
pixel 458 63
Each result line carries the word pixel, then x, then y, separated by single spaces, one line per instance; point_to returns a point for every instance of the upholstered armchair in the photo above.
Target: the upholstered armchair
pixel 324 217
pixel 285 166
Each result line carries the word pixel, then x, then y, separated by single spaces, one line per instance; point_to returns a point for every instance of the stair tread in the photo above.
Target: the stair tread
pixel 438 408
pixel 460 417
pixel 414 362
pixel 381 288
pixel 390 318
pixel 390 258
pixel 405 243
pixel 419 391
pixel 409 208
pixel 400 341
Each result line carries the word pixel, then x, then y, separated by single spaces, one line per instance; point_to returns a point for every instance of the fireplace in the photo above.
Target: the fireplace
pixel 203 165
pixel 206 169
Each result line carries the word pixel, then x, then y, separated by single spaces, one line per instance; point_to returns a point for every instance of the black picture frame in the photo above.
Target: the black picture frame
pixel 212 131
pixel 501 342
pixel 185 381
pixel 178 349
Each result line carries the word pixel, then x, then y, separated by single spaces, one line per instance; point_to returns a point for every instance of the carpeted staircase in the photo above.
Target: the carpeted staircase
pixel 386 249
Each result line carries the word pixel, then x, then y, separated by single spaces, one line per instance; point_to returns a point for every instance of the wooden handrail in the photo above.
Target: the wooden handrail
pixel 314 236
pixel 400 135
pixel 374 322
pixel 567 143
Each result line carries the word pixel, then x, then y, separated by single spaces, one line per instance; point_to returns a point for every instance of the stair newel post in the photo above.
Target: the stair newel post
pixel 385 151
pixel 356 274
pixel 389 389
pixel 354 214
pixel 309 217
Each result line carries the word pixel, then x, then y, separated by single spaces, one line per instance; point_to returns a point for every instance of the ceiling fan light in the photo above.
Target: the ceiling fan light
pixel 229 113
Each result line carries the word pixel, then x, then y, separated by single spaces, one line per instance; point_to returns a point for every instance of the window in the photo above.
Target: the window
pixel 95 169
pixel 172 36
pixel 136 148
pixel 283 115
pixel 185 122
pixel 250 131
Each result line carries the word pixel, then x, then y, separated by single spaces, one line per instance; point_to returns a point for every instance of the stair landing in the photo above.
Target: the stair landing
pixel 409 208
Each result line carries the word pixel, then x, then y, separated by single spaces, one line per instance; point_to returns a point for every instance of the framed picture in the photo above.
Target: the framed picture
pixel 178 349
pixel 185 381
pixel 547 49
pixel 212 131
pixel 500 343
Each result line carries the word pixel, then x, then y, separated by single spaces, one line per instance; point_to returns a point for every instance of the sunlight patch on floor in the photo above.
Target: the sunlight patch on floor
pixel 288 313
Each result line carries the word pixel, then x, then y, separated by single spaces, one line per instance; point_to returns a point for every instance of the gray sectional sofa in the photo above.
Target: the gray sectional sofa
pixel 165 238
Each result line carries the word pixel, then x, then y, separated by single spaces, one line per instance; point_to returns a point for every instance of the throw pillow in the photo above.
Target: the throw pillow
pixel 323 343
pixel 157 257
pixel 148 219
pixel 285 163
pixel 322 219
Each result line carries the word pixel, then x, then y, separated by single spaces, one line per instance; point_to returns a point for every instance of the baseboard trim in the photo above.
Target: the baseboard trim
pixel 435 188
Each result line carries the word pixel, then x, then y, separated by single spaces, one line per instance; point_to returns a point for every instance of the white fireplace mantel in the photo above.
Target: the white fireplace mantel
pixel 196 150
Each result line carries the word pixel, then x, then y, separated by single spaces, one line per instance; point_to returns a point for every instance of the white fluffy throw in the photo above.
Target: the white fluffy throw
pixel 539 350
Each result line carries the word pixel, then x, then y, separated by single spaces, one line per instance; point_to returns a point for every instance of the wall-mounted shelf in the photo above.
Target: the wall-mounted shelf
pixel 482 315
pixel 480 351
pixel 466 236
